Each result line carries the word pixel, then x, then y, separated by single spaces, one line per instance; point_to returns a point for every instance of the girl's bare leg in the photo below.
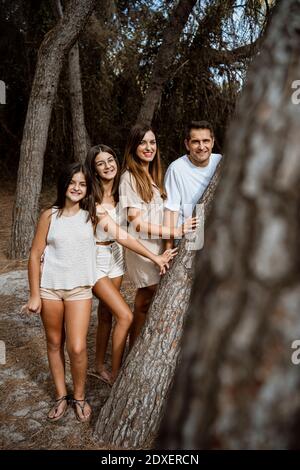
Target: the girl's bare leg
pixel 108 293
pixel 77 318
pixel 53 320
pixel 142 303
pixel 103 333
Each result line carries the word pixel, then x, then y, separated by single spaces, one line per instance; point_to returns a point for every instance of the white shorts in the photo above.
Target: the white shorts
pixel 109 261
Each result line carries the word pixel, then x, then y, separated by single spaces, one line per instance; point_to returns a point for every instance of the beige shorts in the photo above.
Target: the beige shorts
pixel 78 293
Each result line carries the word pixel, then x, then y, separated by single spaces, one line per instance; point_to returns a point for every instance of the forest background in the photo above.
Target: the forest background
pixel 166 63
pixel 118 48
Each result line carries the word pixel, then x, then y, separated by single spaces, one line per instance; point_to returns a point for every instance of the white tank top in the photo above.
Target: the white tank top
pixel 114 213
pixel 70 254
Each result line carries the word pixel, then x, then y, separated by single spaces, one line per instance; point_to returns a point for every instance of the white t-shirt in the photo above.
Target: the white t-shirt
pixel 185 183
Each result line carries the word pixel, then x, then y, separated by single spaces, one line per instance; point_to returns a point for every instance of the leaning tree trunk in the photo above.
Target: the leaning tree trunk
pixel 164 59
pixel 132 413
pixel 237 386
pixel 50 60
pixel 81 141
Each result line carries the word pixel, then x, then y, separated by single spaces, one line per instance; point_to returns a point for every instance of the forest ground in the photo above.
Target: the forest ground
pixel 26 389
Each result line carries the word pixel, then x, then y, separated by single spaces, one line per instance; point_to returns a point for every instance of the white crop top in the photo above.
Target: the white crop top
pixel 70 254
pixel 114 213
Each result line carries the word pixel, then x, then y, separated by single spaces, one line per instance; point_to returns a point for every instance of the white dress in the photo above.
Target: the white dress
pixel 142 271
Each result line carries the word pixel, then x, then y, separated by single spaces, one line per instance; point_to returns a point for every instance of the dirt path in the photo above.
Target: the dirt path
pixel 26 389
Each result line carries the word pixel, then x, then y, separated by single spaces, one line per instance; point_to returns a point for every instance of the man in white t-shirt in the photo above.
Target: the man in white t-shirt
pixel 188 176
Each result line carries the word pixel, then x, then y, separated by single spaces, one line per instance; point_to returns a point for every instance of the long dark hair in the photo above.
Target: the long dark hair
pixel 97 185
pixel 63 182
pixel 132 163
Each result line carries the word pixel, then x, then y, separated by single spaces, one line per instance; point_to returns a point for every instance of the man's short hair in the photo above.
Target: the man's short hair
pixel 198 125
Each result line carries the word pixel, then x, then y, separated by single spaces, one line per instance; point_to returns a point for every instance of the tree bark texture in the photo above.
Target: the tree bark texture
pixel 236 386
pixel 132 413
pixel 50 60
pixel 164 59
pixel 81 141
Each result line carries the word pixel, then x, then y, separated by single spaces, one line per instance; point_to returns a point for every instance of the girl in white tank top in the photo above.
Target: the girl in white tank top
pixel 104 170
pixel 63 294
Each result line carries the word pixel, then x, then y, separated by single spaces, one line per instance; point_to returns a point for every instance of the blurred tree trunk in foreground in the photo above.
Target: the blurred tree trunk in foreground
pixel 55 46
pixel 236 385
pixel 132 413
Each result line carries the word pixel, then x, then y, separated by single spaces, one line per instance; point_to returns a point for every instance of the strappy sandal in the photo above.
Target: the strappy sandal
pixel 81 403
pixel 56 405
pixel 104 375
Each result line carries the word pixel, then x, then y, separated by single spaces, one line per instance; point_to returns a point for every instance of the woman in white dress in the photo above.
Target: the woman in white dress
pixel 142 199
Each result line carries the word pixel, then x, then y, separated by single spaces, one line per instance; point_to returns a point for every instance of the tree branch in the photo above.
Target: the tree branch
pixel 216 57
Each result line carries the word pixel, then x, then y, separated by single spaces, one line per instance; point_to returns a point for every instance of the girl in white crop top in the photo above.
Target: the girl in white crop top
pixel 103 167
pixel 63 295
